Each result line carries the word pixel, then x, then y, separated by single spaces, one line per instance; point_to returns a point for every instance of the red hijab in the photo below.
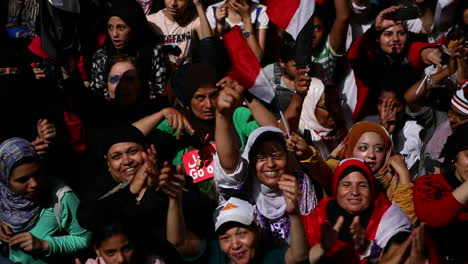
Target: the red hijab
pixel 343 251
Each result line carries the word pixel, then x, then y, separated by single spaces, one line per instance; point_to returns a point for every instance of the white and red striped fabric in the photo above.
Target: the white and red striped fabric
pixel 290 15
pixel 245 66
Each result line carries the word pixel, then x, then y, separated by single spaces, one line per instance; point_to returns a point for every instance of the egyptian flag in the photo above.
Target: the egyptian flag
pixel 245 67
pixel 290 15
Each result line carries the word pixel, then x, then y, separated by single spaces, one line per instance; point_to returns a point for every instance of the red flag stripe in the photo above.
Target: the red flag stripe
pixel 245 66
pixel 281 12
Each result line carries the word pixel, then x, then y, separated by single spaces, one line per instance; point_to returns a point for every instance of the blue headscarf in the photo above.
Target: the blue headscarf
pixel 19 213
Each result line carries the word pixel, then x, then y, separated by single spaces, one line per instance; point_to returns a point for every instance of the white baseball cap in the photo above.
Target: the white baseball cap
pixel 234 210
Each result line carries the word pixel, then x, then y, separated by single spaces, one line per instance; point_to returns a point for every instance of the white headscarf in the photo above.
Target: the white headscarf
pixel 268 201
pixel 308 119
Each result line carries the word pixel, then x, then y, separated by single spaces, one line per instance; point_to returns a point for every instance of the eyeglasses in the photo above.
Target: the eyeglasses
pixel 115 79
pixel 275 156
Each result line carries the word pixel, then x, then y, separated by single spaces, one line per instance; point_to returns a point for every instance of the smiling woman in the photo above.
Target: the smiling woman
pixel 261 173
pixel 356 223
pixel 370 142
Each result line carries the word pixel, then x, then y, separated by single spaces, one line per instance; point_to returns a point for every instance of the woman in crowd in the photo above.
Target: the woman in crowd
pixel 256 173
pixel 386 48
pixel 197 90
pixel 130 188
pixel 320 121
pixel 180 24
pixel 247 14
pixel 127 92
pixel 239 237
pixel 357 223
pixel 371 143
pixel 441 200
pixel 37 211
pixel 129 33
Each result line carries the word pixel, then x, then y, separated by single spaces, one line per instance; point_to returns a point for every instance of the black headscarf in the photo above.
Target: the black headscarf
pixel 132 14
pixel 185 82
pixel 124 133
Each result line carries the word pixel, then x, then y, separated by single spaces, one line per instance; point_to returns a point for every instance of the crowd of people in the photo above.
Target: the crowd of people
pixel 125 139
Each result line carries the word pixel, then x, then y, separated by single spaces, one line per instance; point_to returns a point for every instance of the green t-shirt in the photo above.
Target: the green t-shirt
pixel 211 253
pixel 164 139
pixel 47 228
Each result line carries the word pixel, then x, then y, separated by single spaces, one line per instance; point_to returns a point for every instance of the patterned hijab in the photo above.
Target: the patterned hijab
pixel 387 179
pixel 19 213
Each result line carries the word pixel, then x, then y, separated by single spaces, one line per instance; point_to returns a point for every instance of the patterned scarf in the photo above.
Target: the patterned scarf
pixel 19 213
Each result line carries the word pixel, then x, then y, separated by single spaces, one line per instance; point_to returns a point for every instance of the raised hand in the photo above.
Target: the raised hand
pixel 382 21
pixel 330 233
pixel 361 243
pixel 388 111
pixel 172 183
pixel 291 192
pixel 46 130
pixel 432 56
pixel 228 100
pixel 146 175
pixel 302 82
pixel 221 14
pixel 241 7
pixel 297 145
pixel 177 121
pixel 417 255
pixel 398 165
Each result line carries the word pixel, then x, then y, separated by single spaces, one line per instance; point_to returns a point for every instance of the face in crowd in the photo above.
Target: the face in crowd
pixel 456 117
pixel 289 68
pixel 461 165
pixel 124 160
pixel 123 83
pixel 119 32
pixel 353 193
pixel 203 103
pixel 116 249
pixel 176 8
pixel 371 148
pixel 26 179
pixel 270 162
pixel 318 34
pixel 393 39
pixel 324 114
pixel 238 242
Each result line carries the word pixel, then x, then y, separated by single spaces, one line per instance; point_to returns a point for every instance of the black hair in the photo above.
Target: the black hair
pixel 121 58
pixel 108 228
pixel 266 136
pixel 287 49
pixel 24 160
pixel 228 225
pixel 325 12
pixel 352 169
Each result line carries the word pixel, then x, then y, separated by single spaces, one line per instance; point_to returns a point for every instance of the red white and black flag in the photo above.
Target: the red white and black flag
pixel 290 15
pixel 245 66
